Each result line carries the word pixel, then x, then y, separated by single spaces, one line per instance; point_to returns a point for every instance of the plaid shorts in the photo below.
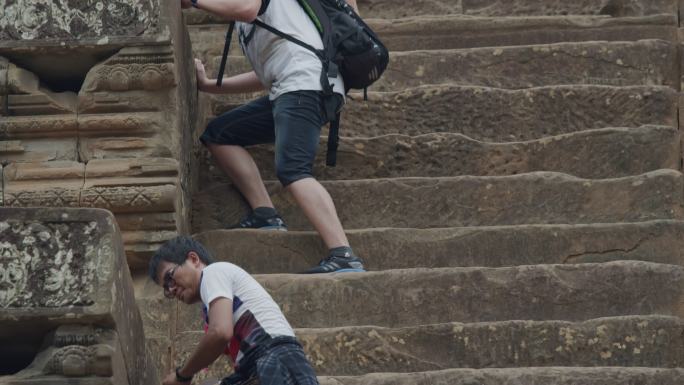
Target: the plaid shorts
pixel 283 364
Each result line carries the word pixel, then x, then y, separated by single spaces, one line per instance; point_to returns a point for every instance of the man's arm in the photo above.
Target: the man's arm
pixel 213 343
pixel 236 10
pixel 247 82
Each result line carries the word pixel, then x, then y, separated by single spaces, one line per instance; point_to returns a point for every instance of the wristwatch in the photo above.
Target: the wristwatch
pixel 194 3
pixel 179 377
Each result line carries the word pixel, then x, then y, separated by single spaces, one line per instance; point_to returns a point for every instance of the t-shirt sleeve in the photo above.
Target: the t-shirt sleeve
pixel 215 284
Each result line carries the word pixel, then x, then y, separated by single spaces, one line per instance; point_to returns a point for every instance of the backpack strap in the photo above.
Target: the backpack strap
pixel 319 53
pixel 333 141
pixel 224 57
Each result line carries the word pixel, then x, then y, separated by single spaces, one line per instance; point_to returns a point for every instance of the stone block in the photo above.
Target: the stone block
pixel 132 135
pixel 131 185
pixel 45 150
pixel 42 103
pixel 45 184
pixel 136 79
pixel 262 252
pixel 141 245
pixel 68 276
pixel 38 127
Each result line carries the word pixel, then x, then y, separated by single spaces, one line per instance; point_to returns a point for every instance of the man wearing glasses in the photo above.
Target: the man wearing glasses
pixel 241 319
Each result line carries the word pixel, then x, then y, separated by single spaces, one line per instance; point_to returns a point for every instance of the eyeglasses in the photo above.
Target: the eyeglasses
pixel 169 281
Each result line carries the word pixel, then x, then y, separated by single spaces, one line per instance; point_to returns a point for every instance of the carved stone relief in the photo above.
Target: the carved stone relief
pixel 49 19
pixel 44 265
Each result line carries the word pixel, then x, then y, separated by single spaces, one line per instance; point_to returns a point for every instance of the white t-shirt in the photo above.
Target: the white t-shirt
pixel 283 66
pixel 254 311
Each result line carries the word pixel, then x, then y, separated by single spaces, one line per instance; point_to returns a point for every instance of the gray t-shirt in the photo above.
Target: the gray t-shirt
pixel 283 66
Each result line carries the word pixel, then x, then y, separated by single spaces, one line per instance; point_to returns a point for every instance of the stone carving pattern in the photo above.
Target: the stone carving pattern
pixel 122 196
pixel 76 19
pixel 79 361
pixel 45 265
pixel 134 76
pixel 35 127
pixel 55 197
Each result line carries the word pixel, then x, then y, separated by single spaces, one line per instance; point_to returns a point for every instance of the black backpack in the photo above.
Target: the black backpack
pixel 350 49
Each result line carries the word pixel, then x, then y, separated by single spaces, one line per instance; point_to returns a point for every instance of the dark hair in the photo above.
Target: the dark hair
pixel 176 251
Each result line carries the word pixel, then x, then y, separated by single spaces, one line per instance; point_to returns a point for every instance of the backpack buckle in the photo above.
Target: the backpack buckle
pixel 333 70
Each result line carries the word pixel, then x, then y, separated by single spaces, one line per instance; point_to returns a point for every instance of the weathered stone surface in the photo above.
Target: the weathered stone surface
pixel 131 185
pixel 141 245
pixel 131 135
pixel 496 115
pixel 48 184
pixel 397 298
pixel 143 171
pixel 535 198
pixel 527 376
pixel 393 9
pixel 449 31
pixel 646 62
pixel 604 153
pixel 66 267
pixel 267 252
pixel 654 341
pixel 42 150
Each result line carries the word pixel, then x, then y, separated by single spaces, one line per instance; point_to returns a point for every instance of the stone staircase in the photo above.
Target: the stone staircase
pixel 514 184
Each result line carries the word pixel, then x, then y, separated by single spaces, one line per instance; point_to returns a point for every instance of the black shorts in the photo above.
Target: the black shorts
pixel 292 121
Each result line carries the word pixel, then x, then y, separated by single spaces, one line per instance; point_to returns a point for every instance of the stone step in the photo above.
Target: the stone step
pixel 522 376
pixel 654 341
pixel 498 115
pixel 646 62
pixel 397 298
pixel 599 63
pixel 535 198
pixel 269 252
pixel 604 153
pixel 459 31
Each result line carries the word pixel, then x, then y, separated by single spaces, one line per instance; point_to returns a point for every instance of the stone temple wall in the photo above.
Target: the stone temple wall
pixel 68 311
pixel 97 109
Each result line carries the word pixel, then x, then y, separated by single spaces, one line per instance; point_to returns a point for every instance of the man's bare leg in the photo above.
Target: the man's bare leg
pixel 319 208
pixel 239 165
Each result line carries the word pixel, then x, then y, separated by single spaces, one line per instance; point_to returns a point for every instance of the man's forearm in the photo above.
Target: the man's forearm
pixel 238 84
pixel 208 350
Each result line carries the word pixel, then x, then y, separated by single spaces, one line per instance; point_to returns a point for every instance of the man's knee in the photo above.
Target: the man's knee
pixel 288 173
